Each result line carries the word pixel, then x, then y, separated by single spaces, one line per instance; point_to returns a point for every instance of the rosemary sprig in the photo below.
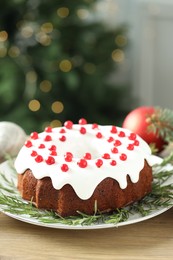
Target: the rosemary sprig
pixel 161 196
pixel 167 160
pixel 10 185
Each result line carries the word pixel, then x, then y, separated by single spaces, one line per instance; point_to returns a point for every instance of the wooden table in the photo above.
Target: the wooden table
pixel 151 239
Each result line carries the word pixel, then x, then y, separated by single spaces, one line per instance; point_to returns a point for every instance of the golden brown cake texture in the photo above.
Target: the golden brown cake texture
pixel 76 167
pixel 108 194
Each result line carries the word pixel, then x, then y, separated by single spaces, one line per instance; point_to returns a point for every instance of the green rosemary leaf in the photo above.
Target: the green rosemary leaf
pixel 10 184
pixel 168 159
pixel 2 187
pixel 120 215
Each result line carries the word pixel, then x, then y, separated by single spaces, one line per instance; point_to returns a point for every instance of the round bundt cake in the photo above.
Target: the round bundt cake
pixel 78 166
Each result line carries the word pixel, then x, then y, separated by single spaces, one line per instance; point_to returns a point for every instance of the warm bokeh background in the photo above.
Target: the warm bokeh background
pixel 58 61
pixel 96 59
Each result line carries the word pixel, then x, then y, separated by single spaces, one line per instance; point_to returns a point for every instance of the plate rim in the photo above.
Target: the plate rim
pixel 34 221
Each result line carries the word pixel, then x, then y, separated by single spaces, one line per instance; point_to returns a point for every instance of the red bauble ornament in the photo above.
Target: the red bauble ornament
pixel 136 121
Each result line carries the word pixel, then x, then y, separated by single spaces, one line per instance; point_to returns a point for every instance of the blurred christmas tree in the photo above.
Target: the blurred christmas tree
pixel 56 61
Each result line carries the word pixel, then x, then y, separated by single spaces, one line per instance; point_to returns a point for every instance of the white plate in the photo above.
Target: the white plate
pixel 6 169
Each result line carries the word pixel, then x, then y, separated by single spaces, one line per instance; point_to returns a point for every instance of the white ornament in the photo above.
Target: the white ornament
pixel 12 138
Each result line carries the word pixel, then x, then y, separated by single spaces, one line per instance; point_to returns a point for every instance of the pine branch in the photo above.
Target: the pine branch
pixel 161 122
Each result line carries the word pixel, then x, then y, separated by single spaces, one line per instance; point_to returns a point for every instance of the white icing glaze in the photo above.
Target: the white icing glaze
pixel 85 180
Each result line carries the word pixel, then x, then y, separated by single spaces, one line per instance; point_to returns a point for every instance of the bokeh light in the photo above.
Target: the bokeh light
pixel 3 36
pixel 118 55
pixel 14 52
pixel 57 107
pixel 27 31
pixel 63 12
pixel 43 38
pixel 45 86
pixel 34 105
pixel 65 65
pixel 121 40
pixel 56 123
pixel 82 13
pixel 31 76
pixel 47 27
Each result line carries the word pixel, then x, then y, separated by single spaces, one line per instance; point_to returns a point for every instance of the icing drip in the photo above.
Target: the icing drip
pixel 83 155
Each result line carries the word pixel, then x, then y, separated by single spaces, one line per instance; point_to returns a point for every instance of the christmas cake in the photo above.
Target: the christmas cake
pixel 83 167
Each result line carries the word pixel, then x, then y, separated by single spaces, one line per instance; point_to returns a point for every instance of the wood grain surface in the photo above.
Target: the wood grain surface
pixel 150 239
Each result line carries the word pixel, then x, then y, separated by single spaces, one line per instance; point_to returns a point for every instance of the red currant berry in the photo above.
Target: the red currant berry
pixel 41 146
pixel 48 138
pixel 99 163
pixel 132 136
pixel 106 156
pixel 99 135
pixel 68 124
pixel 53 153
pixel 87 156
pixel 34 153
pixel 52 148
pixel 64 167
pixel 34 135
pixel 136 143
pixel 121 134
pixel 113 130
pixel 110 139
pixel 28 143
pixel 114 150
pixel 82 130
pixel 69 154
pixel 39 159
pixel 130 147
pixel 117 143
pixel 113 163
pixel 48 129
pixel 62 131
pixel 50 160
pixel 94 126
pixel 62 138
pixel 68 157
pixel 123 157
pixel 82 121
pixel 82 163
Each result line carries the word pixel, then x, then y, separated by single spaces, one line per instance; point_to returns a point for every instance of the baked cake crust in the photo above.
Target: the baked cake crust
pixel 108 195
